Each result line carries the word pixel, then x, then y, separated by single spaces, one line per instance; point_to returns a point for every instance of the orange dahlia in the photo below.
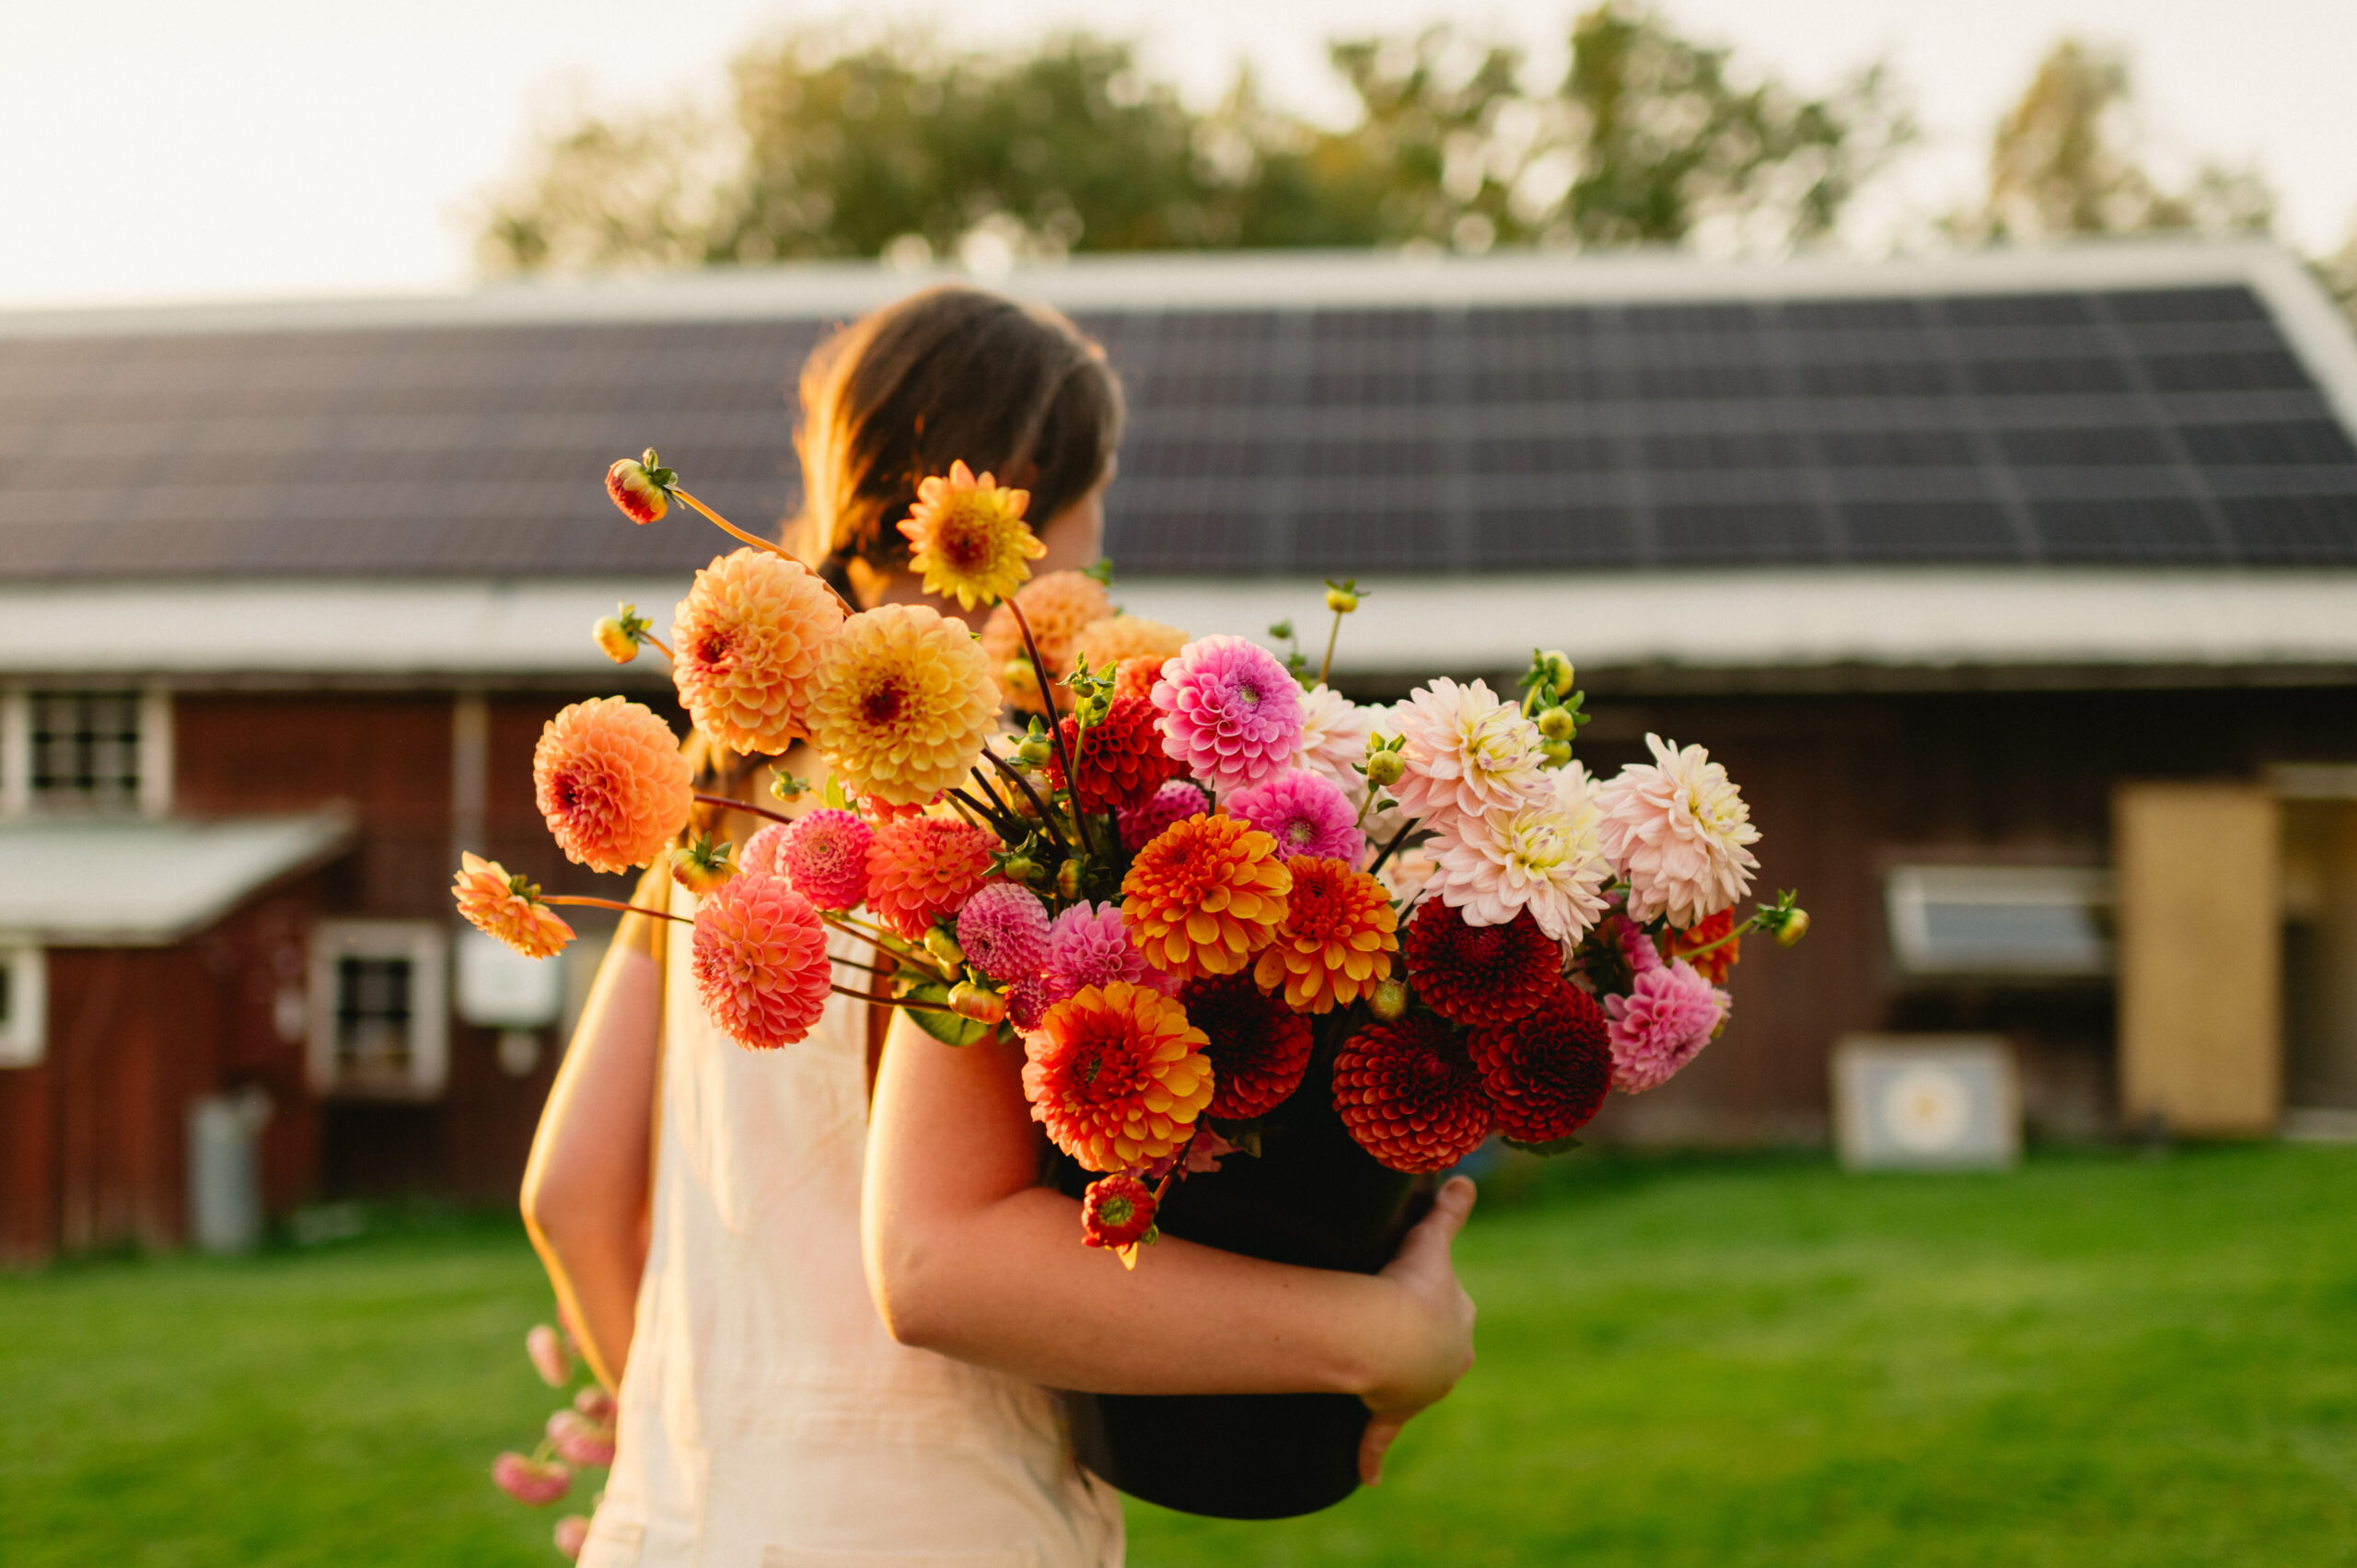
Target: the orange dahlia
pixel 1058 606
pixel 744 646
pixel 1118 638
pixel 966 540
pixel 760 962
pixel 1204 895
pixel 900 704
pixel 1336 940
pixel 920 868
pixel 508 908
pixel 1118 1075
pixel 608 776
pixel 1136 676
pixel 1713 965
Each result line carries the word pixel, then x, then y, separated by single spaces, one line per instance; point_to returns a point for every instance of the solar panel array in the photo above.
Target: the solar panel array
pixel 2126 428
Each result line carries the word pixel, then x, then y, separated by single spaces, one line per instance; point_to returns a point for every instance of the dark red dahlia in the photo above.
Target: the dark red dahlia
pixel 1410 1095
pixel 1117 1211
pixel 1119 758
pixel 1478 975
pixel 1259 1048
pixel 1547 1072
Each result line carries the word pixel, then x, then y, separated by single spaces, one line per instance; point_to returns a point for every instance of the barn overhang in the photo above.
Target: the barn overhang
pixel 116 882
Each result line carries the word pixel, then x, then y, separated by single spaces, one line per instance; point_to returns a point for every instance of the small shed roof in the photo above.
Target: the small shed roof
pixel 108 882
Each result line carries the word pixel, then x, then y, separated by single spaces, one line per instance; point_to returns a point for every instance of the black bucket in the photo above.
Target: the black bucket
pixel 1312 1197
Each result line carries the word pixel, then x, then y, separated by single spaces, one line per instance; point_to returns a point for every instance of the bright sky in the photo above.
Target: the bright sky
pixel 178 148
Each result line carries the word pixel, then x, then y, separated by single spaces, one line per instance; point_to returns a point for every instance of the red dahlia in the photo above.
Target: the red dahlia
pixel 1117 1211
pixel 1547 1072
pixel 1119 758
pixel 1258 1047
pixel 1410 1096
pixel 1478 975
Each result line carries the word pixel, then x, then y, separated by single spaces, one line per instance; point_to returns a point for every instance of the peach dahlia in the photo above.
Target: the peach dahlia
pixel 609 777
pixel 901 703
pixel 745 644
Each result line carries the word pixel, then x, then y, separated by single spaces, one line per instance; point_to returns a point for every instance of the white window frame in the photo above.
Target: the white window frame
pixel 425 944
pixel 155 746
pixel 24 1032
pixel 1909 890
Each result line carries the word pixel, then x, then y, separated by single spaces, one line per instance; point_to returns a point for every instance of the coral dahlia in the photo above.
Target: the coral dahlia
pixel 1004 929
pixel 1134 677
pixel 1680 831
pixel 967 538
pixel 1204 895
pixel 920 868
pixel 1479 975
pixel 1547 1071
pixel 1231 712
pixel 760 853
pixel 823 854
pixel 1336 940
pixel 900 704
pixel 1058 605
pixel 1306 813
pixel 745 643
pixel 1117 1076
pixel 1174 802
pixel 609 777
pixel 1116 1212
pixel 758 957
pixel 1258 1047
pixel 1119 759
pixel 1410 1096
pixel 1467 753
pixel 508 908
pixel 1713 965
pixel 1540 853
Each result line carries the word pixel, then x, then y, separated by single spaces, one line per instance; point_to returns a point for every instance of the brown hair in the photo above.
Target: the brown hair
pixel 949 374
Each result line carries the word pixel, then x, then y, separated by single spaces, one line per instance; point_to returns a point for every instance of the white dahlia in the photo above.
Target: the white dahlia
pixel 1333 738
pixel 1468 754
pixel 1544 854
pixel 1677 829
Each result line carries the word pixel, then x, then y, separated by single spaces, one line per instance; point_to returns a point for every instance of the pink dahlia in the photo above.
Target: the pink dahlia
pixel 1174 802
pixel 1678 831
pixel 1231 712
pixel 1306 814
pixel 533 1483
pixel 823 856
pixel 1540 853
pixel 580 1441
pixel 760 962
pixel 760 853
pixel 1669 1015
pixel 1467 753
pixel 1088 945
pixel 1004 929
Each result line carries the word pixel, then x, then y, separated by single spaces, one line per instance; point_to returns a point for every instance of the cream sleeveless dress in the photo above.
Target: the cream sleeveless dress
pixel 767 1419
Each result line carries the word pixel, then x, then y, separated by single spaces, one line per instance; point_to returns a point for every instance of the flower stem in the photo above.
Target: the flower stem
pixel 905 952
pixel 1692 953
pixel 1397 839
pixel 652 641
pixel 890 1002
pixel 732 805
pixel 1055 726
pixel 1047 817
pixel 1326 666
pixel 733 531
pixel 613 904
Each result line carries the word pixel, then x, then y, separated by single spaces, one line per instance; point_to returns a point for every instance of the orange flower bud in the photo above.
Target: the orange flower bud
pixel 641 487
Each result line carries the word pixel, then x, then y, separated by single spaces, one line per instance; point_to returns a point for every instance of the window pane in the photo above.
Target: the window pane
pixel 86 747
pixel 372 1019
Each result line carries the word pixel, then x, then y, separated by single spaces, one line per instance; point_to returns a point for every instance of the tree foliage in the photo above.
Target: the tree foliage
pixel 901 147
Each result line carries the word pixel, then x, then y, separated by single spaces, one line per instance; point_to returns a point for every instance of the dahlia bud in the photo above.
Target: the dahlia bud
pixel 1033 749
pixel 1117 1211
pixel 1384 769
pixel 1020 681
pixel 641 487
pixel 1557 752
pixel 1341 599
pixel 1390 1000
pixel 1796 926
pixel 979 1002
pixel 1559 672
pixel 703 867
pixel 1021 869
pixel 613 641
pixel 943 946
pixel 1068 879
pixel 1556 723
pixel 788 788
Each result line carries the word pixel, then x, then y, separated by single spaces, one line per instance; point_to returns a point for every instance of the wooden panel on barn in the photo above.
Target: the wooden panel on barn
pixel 2200 971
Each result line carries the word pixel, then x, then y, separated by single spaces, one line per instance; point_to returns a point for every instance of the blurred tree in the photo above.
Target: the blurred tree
pixel 2066 160
pixel 902 148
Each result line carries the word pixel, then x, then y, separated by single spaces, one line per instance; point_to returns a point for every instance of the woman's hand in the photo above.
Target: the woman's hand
pixel 1436 1348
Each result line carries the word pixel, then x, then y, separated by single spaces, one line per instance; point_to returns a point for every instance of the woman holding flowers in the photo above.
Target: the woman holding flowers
pixel 772 1410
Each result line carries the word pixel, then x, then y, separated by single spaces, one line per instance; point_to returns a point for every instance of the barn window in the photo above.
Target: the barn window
pixel 2000 921
pixel 378 1001
pixel 24 1007
pixel 87 750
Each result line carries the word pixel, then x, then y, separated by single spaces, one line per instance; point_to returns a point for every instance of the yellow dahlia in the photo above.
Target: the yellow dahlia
pixel 744 646
pixel 1204 895
pixel 508 908
pixel 901 703
pixel 1337 938
pixel 966 540
pixel 1058 606
pixel 1107 643
pixel 610 778
pixel 1118 1075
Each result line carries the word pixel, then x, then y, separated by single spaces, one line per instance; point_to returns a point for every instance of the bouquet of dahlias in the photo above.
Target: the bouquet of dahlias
pixel 1220 905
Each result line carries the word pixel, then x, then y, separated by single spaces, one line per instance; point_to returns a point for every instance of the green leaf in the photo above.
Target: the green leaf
pixel 949 1028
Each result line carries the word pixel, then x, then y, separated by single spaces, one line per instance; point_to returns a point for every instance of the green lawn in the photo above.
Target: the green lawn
pixel 2101 1359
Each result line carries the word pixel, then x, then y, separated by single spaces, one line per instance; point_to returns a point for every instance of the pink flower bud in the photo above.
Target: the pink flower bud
pixel 580 1441
pixel 532 1482
pixel 572 1535
pixel 596 1403
pixel 546 1348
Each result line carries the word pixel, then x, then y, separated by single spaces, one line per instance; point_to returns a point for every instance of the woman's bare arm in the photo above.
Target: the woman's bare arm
pixel 586 1188
pixel 968 1256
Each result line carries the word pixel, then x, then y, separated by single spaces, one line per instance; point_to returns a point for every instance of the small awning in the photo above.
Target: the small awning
pixel 140 882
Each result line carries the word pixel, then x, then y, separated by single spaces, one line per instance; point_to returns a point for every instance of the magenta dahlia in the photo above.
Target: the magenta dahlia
pixel 1306 814
pixel 1231 712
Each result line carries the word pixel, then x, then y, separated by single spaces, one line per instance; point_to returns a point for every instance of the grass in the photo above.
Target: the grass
pixel 2096 1359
